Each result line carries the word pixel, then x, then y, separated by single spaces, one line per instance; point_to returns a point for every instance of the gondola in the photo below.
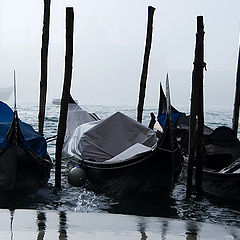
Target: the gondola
pixel 221 167
pixel 120 155
pixel 24 162
pixel 180 122
pixel 223 184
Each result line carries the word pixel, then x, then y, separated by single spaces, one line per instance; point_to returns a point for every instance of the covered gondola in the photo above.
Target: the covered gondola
pixel 180 120
pixel 24 162
pixel 221 168
pixel 223 184
pixel 120 155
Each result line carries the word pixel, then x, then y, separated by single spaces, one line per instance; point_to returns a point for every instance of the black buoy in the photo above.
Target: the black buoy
pixel 77 176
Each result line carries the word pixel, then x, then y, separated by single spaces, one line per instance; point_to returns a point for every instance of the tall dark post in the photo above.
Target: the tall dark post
pixel 169 124
pixel 237 99
pixel 199 66
pixel 65 94
pixel 145 64
pixel 196 112
pixel 44 60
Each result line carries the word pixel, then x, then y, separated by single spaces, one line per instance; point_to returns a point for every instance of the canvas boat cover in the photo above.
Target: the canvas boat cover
pixel 76 116
pixel 115 138
pixel 32 140
pixel 179 119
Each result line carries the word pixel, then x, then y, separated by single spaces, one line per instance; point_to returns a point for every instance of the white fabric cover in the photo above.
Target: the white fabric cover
pixel 76 116
pixel 130 152
pixel 104 139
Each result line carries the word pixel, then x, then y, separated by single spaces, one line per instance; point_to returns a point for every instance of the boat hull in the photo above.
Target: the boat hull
pixel 8 167
pixel 223 186
pixel 20 170
pixel 152 173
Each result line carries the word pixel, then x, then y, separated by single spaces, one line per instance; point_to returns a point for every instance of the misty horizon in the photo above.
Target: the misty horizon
pixel 109 41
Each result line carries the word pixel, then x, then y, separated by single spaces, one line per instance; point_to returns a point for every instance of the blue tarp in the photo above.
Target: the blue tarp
pixel 162 118
pixel 32 140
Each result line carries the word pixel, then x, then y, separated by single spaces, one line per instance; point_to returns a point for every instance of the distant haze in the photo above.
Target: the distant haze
pixel 109 41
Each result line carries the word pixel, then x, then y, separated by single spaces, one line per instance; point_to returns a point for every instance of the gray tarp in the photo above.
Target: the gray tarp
pixel 115 138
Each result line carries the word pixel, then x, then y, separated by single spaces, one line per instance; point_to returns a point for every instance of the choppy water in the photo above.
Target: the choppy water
pixel 80 200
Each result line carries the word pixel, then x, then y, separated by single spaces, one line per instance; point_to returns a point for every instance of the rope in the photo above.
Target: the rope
pixel 49 139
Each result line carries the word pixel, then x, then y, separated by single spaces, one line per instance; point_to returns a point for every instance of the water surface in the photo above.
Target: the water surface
pixel 79 200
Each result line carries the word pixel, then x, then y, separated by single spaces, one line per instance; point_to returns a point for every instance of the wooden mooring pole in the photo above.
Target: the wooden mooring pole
pixel 237 99
pixel 200 65
pixel 195 150
pixel 44 60
pixel 145 64
pixel 65 94
pixel 169 122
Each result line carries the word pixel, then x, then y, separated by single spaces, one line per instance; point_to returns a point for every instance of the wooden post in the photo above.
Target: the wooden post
pixel 65 94
pixel 152 121
pixel 44 60
pixel 237 99
pixel 192 137
pixel 196 109
pixel 199 66
pixel 145 64
pixel 169 122
pixel 162 105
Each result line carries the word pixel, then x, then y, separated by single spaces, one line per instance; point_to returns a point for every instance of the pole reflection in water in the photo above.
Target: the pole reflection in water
pixel 164 230
pixel 142 229
pixel 192 231
pixel 63 225
pixel 41 223
pixel 11 222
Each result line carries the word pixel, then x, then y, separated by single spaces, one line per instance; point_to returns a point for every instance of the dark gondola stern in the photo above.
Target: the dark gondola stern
pixel 14 135
pixel 168 142
pixel 8 158
pixel 24 170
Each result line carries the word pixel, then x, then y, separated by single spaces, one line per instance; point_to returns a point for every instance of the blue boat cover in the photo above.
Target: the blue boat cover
pixel 162 118
pixel 33 141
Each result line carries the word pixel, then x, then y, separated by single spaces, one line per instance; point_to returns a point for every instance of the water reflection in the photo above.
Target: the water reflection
pixel 63 225
pixel 41 223
pixel 164 229
pixel 145 205
pixel 11 222
pixel 142 229
pixel 192 231
pixel 105 226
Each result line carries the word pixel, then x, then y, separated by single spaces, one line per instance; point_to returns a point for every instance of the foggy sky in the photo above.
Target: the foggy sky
pixel 109 41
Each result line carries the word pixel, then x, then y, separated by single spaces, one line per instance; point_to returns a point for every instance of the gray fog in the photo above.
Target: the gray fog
pixel 109 41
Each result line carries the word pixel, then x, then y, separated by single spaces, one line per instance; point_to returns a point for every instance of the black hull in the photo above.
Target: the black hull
pixel 22 170
pixel 223 186
pixel 152 173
